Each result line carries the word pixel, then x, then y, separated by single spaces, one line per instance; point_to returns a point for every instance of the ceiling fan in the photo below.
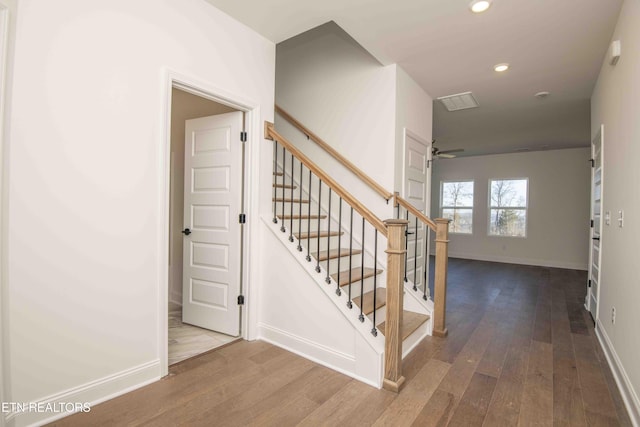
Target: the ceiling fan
pixel 446 154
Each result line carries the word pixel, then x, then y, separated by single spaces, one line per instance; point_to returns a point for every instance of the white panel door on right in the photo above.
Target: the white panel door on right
pixel 212 203
pixel 595 250
pixel 416 191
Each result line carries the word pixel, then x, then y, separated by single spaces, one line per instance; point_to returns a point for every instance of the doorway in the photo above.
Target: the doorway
pixel 595 250
pixel 206 172
pixel 4 66
pixel 416 189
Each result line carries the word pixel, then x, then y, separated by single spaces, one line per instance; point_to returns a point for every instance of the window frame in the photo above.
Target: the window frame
pixel 490 207
pixel 471 208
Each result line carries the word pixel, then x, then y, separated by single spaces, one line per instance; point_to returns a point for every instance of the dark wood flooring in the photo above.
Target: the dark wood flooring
pixel 521 351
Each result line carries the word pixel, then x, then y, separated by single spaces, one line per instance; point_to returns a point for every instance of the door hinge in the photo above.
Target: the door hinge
pixel 240 299
pixel 242 218
pixel 243 136
pixel 591 223
pixel 593 163
pixel 589 283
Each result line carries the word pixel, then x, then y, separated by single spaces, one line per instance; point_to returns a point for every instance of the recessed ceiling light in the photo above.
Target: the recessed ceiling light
pixel 501 67
pixel 542 94
pixel 479 6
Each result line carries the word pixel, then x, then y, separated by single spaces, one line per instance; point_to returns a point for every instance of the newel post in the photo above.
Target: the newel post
pixel 440 285
pixel 393 378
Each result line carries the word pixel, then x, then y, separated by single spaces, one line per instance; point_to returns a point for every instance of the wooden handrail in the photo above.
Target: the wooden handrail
pixel 271 133
pixel 408 206
pixel 336 155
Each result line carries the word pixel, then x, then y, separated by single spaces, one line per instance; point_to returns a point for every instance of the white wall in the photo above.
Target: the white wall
pixel 558 214
pixel 301 313
pixel 334 87
pixel 86 181
pixel 615 104
pixel 414 111
pixel 184 106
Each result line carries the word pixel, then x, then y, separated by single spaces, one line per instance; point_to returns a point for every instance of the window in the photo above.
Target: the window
pixel 508 207
pixel 456 201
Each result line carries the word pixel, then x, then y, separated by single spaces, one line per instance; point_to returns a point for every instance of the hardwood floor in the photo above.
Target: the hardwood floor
pixel 521 351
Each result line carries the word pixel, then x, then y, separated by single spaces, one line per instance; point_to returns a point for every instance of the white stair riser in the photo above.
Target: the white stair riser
pixel 344 263
pixel 355 287
pixel 323 243
pixel 305 223
pixel 412 340
pixel 381 314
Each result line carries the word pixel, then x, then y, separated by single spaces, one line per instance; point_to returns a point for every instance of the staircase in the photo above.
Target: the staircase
pixel 341 245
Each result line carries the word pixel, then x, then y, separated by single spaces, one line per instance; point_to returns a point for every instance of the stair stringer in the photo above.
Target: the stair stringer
pixel 303 314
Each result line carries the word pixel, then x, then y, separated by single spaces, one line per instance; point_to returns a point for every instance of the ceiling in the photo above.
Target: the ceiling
pixel 552 45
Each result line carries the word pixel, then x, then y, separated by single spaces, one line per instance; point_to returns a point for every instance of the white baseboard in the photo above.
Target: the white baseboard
pixel 629 395
pixel 522 261
pixel 94 392
pixel 318 353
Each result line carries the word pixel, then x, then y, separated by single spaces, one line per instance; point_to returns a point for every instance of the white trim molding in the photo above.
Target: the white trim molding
pixel 7 23
pixel 93 393
pixel 204 89
pixel 341 362
pixel 629 395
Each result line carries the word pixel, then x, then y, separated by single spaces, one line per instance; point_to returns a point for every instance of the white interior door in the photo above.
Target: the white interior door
pixel 416 190
pixel 212 203
pixel 595 253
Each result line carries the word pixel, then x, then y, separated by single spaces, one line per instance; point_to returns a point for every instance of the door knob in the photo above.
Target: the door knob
pixel 186 231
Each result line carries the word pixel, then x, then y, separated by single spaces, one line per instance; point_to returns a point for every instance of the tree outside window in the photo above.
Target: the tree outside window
pixel 508 207
pixel 456 201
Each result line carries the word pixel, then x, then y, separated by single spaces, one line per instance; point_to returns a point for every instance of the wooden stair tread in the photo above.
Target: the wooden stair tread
pixel 335 253
pixel 288 200
pixel 301 216
pixel 410 322
pixel 285 186
pixel 367 306
pixel 356 275
pixel 314 234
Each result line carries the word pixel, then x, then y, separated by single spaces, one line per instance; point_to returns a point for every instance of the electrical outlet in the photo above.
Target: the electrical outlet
pixel 613 315
pixel 620 219
pixel 607 218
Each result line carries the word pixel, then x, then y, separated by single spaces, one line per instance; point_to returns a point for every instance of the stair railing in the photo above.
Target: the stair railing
pixel 387 195
pixel 418 226
pixel 290 164
pixel 417 219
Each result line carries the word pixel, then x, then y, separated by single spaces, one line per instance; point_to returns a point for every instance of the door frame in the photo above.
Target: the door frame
pixel 7 22
pixel 248 270
pixel 587 303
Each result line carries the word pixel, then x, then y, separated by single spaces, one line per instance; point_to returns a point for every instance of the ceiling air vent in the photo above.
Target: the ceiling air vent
pixel 459 101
